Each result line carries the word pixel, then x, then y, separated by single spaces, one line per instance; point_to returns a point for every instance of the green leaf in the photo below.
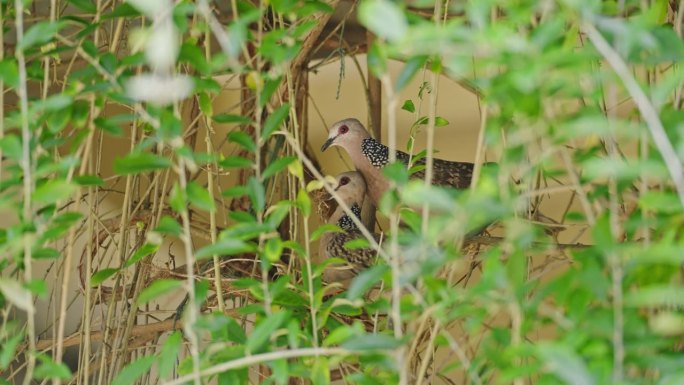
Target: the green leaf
pixel 85 5
pixel 275 120
pixel 257 194
pixel 168 225
pixel 45 253
pixel 324 228
pixel 38 287
pixel 205 104
pixel 377 59
pixel 57 120
pixel 17 295
pixel 264 330
pixel 565 364
pixel 178 198
pixel 133 371
pixel 89 180
pixel 272 84
pixel 225 246
pixel 101 275
pixel 365 280
pixel 277 165
pixel 358 243
pixel 243 139
pixel 199 197
pixel 277 213
pixel 51 369
pixel 397 172
pixel 235 161
pixel 140 162
pixel 61 224
pixel 273 249
pixel 661 295
pixel 8 348
pixel 230 118
pixel 9 73
pixel 141 253
pixel 371 342
pixel 11 147
pixel 409 106
pixel 412 66
pixel 339 335
pixel 169 353
pixel 235 191
pixel 304 202
pixel 157 289
pixel 54 103
pixel 660 201
pixel 109 126
pixel 320 373
pixel 235 332
pixel 40 33
pixel 53 191
pixel 281 372
pixel 425 120
pixel 384 18
pixel 194 55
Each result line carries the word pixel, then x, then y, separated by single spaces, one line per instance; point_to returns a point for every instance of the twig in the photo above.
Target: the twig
pixel 98 335
pixel 492 240
pixel 259 358
pixel 394 229
pixel 26 166
pixel 646 108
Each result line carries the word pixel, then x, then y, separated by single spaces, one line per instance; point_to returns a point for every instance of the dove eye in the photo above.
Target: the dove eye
pixel 343 129
pixel 344 180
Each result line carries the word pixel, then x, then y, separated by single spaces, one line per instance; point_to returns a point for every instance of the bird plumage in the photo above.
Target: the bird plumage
pixel 351 188
pixel 370 156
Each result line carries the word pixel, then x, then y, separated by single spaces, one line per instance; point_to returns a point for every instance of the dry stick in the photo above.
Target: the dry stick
pixel 678 28
pixel 2 93
pixel 424 318
pixel 394 229
pixel 430 351
pixel 122 252
pixel 28 180
pixel 94 111
pixel 98 335
pixel 613 258
pixel 307 246
pixel 432 108
pixel 645 107
pixel 260 358
pixel 258 112
pixel 188 327
pixel 374 95
pixel 479 150
pixel 210 187
pixel 581 194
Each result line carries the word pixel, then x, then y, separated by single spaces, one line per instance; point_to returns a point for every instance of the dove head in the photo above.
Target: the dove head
pixel 351 187
pixel 347 133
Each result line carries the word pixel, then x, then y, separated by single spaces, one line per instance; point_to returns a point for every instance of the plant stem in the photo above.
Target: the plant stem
pixel 26 166
pixel 644 105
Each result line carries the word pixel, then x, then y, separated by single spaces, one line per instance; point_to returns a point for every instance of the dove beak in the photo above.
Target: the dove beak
pixel 328 143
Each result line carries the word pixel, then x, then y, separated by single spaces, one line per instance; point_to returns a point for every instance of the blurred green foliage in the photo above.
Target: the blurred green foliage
pixel 533 306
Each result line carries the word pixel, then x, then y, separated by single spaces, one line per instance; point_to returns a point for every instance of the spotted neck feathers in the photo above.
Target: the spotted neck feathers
pixel 378 154
pixel 346 223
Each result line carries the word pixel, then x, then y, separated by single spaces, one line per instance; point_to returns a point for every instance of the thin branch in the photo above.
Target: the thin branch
pixel 644 105
pixel 260 358
pixel 26 166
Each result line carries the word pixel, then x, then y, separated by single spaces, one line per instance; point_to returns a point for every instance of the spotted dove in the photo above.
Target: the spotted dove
pixel 351 188
pixel 370 156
